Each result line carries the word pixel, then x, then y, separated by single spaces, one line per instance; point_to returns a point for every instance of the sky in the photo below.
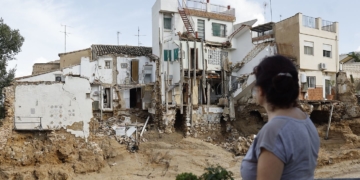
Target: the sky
pixel 97 22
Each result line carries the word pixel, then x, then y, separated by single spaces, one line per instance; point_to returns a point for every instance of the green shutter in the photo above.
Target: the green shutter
pixel 165 55
pixel 176 54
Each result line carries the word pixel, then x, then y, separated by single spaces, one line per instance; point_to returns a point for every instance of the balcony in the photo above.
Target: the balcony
pixel 318 23
pixel 263 33
pixel 203 8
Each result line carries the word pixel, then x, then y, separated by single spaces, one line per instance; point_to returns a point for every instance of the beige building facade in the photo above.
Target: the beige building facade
pixel 314 44
pixel 73 58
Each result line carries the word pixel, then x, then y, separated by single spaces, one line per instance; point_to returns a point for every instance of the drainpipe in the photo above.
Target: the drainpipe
pixel 181 81
pixel 189 84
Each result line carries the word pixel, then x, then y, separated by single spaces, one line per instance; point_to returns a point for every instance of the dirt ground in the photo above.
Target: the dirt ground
pixel 161 156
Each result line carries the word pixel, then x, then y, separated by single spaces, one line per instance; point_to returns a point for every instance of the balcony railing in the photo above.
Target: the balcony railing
pixel 309 22
pixel 213 8
pixel 327 26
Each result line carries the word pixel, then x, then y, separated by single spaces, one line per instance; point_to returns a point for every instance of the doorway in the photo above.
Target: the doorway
pixel 135 71
pixel 135 98
pixel 179 124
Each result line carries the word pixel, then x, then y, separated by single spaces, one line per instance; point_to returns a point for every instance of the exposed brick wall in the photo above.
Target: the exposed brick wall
pixel 315 93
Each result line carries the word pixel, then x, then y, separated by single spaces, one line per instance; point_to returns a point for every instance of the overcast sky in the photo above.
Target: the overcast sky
pixel 97 21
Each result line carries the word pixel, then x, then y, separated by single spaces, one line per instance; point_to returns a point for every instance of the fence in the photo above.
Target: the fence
pixel 196 4
pixel 202 6
pixel 328 26
pixel 309 22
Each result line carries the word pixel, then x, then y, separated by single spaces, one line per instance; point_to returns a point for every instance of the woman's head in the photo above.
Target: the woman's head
pixel 277 82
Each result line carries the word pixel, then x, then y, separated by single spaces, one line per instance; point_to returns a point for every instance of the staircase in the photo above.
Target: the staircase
pixel 251 55
pixel 185 16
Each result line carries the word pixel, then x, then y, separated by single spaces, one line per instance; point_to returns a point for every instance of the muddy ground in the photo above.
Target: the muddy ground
pixel 59 155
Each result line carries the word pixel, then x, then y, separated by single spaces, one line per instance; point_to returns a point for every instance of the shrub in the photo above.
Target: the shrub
pixel 216 173
pixel 186 176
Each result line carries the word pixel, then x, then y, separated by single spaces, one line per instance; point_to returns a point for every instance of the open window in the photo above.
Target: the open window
pixel 107 98
pixel 192 52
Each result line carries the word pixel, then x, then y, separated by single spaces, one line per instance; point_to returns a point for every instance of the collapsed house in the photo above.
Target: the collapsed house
pixel 206 60
pixel 111 79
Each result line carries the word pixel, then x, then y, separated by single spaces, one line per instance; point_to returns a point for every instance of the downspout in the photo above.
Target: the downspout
pixel 203 72
pixel 189 84
pixel 181 81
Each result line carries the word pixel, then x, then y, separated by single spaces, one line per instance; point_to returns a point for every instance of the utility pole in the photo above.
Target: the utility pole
pixel 270 10
pixel 65 34
pixel 138 35
pixel 118 37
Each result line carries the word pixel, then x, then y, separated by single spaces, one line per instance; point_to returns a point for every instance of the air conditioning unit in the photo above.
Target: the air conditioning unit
pixel 322 66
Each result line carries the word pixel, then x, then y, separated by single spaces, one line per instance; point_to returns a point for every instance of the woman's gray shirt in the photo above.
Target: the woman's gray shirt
pixel 295 142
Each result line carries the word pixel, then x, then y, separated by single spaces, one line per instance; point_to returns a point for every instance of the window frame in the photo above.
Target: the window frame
pixel 167 17
pixel 308 81
pixel 307 48
pixel 107 67
pixel 220 25
pixel 326 51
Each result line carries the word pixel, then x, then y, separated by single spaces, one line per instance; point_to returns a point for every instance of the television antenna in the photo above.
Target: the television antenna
pixel 65 34
pixel 118 37
pixel 265 4
pixel 138 35
pixel 270 11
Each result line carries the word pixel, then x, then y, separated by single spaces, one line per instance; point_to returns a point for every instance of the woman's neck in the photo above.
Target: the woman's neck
pixel 293 112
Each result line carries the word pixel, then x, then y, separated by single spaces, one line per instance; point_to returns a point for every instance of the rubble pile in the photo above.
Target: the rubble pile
pixel 124 131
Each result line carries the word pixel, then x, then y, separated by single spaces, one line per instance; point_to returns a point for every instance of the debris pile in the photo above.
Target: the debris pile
pixel 124 131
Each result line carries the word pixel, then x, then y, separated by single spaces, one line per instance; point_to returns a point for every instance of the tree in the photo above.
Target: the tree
pixel 355 56
pixel 10 45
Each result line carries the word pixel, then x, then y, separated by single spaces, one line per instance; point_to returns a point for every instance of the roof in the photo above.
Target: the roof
pixel 263 27
pixel 33 75
pixel 344 58
pixel 101 50
pixel 248 23
pixel 60 54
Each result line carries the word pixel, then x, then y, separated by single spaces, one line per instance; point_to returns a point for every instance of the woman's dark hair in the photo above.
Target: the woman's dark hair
pixel 278 78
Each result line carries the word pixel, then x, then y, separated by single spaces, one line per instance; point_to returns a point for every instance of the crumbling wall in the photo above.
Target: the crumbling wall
pixel 7 123
pixel 346 94
pixel 54 105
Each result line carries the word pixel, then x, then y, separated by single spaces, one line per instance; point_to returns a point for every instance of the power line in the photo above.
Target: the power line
pixel 65 34
pixel 138 35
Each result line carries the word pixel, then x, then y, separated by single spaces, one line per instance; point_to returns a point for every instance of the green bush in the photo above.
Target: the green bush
pixel 216 173
pixel 186 176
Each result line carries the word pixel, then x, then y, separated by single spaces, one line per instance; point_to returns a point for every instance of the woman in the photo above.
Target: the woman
pixel 287 146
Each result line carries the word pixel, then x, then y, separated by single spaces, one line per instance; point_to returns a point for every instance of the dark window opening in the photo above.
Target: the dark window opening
pixel 167 23
pixel 135 98
pixel 107 98
pixel 216 91
pixel 179 124
pixel 192 58
pixel 326 53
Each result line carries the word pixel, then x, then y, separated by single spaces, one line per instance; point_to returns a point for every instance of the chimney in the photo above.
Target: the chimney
pixel 196 34
pixel 208 1
pixel 228 7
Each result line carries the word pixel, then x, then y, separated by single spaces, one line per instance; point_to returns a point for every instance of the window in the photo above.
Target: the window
pixel 176 54
pixel 107 65
pixel 58 78
pixel 219 30
pixel 327 50
pixel 167 55
pixel 167 22
pixel 201 29
pixel 308 48
pixel 311 81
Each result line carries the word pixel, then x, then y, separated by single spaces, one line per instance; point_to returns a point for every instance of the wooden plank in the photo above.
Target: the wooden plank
pixel 135 71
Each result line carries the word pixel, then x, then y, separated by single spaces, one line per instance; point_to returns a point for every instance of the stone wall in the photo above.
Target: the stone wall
pixel 346 94
pixel 39 68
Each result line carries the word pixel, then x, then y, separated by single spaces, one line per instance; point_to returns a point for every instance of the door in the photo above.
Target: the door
pixel 135 71
pixel 327 88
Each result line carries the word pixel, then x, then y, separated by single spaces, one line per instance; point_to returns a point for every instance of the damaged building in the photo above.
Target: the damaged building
pixel 206 60
pixel 102 81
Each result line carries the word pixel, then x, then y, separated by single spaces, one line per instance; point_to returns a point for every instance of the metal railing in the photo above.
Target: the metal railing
pixel 214 8
pixel 309 22
pixel 202 6
pixel 327 26
pixel 17 121
pixel 196 4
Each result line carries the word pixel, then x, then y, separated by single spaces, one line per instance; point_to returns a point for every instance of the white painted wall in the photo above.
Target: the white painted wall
pixel 243 45
pixel 42 77
pixel 59 105
pixel 124 73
